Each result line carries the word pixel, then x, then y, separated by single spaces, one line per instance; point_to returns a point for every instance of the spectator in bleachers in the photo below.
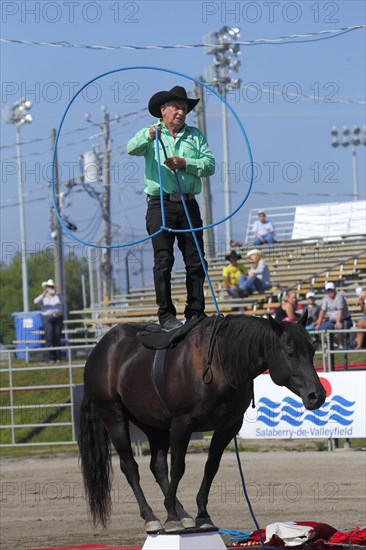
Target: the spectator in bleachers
pixel 258 275
pixel 52 313
pixel 235 275
pixel 361 301
pixel 334 311
pixel 287 310
pixel 263 230
pixel 312 307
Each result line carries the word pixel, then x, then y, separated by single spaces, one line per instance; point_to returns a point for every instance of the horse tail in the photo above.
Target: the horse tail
pixel 96 462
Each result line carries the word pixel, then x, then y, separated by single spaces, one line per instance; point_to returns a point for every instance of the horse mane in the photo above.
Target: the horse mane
pixel 247 342
pixel 243 342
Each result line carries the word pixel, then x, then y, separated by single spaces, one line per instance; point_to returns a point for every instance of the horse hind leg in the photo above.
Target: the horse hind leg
pixel 218 444
pixel 159 446
pixel 117 424
pixel 179 439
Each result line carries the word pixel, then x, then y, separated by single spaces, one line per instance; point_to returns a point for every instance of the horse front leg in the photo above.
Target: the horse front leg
pixel 218 444
pixel 179 439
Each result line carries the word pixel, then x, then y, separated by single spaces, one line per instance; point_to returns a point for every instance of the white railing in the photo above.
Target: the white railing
pixel 283 218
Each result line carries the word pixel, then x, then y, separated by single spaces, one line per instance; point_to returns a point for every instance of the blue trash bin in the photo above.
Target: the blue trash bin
pixel 27 327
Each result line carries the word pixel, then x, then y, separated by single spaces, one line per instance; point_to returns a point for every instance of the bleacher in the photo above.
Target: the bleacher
pixel 301 265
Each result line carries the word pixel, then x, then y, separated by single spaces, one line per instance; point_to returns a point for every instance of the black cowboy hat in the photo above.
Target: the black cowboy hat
pixel 178 92
pixel 232 256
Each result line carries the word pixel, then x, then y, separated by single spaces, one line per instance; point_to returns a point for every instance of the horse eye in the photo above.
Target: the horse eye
pixel 290 352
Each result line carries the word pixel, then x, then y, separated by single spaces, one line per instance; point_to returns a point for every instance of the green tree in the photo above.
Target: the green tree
pixel 40 268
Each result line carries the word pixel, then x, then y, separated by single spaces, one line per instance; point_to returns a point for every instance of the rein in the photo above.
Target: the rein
pixel 207 376
pixel 208 369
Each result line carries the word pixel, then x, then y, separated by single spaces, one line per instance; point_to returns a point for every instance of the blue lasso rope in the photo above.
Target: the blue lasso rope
pixel 147 67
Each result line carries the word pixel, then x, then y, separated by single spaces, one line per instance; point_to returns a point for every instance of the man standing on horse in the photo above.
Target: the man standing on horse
pixel 189 155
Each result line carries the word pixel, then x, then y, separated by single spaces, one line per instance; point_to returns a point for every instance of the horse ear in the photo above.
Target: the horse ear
pixel 276 327
pixel 304 318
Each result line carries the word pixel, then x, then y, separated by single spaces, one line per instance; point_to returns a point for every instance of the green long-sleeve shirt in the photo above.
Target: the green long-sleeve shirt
pixel 189 144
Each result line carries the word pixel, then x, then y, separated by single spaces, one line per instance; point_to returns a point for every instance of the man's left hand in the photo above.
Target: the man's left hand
pixel 175 163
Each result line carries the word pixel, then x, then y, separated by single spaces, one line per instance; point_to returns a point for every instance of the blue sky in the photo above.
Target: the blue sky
pixel 289 134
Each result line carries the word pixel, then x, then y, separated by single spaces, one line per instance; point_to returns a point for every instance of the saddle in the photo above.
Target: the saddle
pixel 153 337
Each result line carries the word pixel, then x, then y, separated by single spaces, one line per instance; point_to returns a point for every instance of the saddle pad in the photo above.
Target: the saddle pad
pixel 153 337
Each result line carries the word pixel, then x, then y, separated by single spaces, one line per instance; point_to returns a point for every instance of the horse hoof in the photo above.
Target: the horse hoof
pixel 172 526
pixel 209 526
pixel 188 522
pixel 204 523
pixel 153 526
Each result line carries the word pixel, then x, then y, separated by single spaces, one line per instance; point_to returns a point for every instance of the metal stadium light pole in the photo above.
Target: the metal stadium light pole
pixel 353 138
pixel 220 44
pixel 20 116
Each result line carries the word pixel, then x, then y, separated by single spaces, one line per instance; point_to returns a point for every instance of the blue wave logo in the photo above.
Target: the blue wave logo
pixel 337 409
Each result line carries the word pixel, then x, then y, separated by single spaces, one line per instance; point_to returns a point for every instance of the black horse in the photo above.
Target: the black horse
pixel 119 388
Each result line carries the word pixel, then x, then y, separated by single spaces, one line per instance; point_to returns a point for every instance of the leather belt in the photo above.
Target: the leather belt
pixel 173 197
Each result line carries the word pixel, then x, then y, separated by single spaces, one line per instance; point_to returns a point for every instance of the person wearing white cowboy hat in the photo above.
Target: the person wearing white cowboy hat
pixel 263 230
pixel 190 157
pixel 48 283
pixel 258 275
pixel 52 312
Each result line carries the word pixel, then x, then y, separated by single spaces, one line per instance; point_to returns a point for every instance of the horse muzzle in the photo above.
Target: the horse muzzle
pixel 315 399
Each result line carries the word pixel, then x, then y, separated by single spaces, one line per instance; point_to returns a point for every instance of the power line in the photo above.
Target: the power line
pixel 64 145
pixel 89 138
pixel 43 138
pixel 290 39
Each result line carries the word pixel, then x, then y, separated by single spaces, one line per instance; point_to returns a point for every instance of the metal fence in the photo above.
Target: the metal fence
pixel 31 405
pixel 28 407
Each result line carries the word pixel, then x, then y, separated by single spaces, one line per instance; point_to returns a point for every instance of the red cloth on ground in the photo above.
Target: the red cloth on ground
pixel 357 536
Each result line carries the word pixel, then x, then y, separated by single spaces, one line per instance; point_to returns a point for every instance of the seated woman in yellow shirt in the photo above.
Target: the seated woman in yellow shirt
pixel 235 274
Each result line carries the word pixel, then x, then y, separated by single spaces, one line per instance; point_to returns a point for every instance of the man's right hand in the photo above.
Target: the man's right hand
pixel 152 131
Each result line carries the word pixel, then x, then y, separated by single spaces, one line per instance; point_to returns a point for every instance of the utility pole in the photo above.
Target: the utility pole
pixel 106 213
pixel 225 137
pixel 22 226
pixel 59 269
pixel 19 116
pixel 209 236
pixel 105 284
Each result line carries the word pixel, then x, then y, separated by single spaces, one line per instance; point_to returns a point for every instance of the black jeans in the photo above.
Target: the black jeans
pixel 163 246
pixel 52 333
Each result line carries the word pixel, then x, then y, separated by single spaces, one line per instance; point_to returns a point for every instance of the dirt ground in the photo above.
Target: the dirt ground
pixel 42 503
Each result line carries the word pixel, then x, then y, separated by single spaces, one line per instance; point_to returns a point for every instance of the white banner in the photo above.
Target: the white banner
pixel 330 220
pixel 280 414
